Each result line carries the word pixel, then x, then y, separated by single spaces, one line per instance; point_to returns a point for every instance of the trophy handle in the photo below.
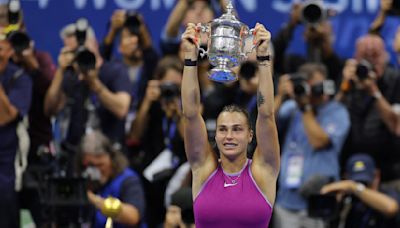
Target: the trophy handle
pixel 250 34
pixel 203 28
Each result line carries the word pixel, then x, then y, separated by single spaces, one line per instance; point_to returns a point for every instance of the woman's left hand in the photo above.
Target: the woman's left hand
pixel 262 39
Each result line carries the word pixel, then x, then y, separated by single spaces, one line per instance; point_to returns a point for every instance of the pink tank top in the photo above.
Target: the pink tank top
pixel 232 200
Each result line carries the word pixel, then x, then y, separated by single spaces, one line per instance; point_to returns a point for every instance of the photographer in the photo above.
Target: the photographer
pixel 40 67
pixel 116 180
pixel 135 47
pixel 364 202
pixel 186 11
pixel 95 93
pixel 15 100
pixel 314 129
pixel 157 131
pixel 318 36
pixel 371 90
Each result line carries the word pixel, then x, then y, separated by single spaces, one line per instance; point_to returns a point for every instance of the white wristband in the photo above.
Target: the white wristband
pixel 360 188
pixel 377 95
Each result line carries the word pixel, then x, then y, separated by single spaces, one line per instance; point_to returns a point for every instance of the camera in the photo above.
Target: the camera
pixel 169 91
pixel 301 87
pixel 248 70
pixel 132 19
pixel 326 87
pixel 363 69
pixel 66 200
pixel 84 58
pixel 20 41
pixel 313 12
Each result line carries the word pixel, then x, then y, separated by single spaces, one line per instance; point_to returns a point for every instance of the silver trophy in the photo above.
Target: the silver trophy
pixel 226 43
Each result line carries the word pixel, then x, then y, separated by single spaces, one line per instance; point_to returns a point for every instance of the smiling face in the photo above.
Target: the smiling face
pixel 233 134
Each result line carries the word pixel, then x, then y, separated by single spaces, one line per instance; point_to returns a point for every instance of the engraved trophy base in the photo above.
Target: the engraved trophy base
pixel 222 75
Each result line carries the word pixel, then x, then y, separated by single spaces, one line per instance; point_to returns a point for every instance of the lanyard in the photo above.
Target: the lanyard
pixel 169 131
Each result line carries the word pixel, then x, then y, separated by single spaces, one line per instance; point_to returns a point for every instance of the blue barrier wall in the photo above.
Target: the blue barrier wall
pixel 45 18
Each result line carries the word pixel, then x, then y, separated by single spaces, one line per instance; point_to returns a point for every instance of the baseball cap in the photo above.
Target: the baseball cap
pixel 361 168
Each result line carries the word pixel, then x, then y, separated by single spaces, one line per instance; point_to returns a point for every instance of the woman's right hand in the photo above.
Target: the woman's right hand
pixel 65 57
pixel 118 19
pixel 190 39
pixel 153 91
pixel 349 70
pixel 285 86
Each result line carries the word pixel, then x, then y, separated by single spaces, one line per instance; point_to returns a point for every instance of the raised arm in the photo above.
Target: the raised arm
pixel 198 151
pixel 265 167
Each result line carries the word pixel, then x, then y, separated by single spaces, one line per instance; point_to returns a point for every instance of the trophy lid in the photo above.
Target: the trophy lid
pixel 228 17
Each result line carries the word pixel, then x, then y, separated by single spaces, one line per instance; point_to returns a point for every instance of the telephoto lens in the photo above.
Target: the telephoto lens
pixel 82 26
pixel 14 9
pixel 85 59
pixel 313 12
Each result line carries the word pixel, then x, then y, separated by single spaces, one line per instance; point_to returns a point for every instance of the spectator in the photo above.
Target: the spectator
pixel 157 132
pixel 40 67
pixel 135 47
pixel 319 45
pixel 15 99
pixel 116 179
pixel 367 204
pixel 315 129
pixel 370 98
pixel 97 98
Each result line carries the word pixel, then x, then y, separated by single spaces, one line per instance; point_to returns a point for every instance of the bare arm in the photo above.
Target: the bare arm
pixel 266 159
pixel 142 117
pixel 129 215
pixel 117 21
pixel 316 135
pixel 377 24
pixel 373 198
pixel 385 110
pixel 8 112
pixel 198 151
pixel 115 102
pixel 176 17
pixel 387 113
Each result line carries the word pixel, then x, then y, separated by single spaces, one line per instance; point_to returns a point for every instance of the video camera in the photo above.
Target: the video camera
pixel 84 58
pixel 314 12
pixel 169 91
pixel 301 87
pixel 363 69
